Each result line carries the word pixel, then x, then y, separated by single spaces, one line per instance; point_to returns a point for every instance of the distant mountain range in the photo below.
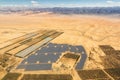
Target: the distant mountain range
pixel 59 10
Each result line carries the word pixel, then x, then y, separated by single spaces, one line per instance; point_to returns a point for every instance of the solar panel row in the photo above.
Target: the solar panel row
pixel 42 58
pixel 61 48
pixel 38 67
pixel 33 47
pixel 34 67
pixel 81 63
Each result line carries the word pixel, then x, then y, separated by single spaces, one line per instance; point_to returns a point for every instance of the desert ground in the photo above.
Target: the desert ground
pixel 87 30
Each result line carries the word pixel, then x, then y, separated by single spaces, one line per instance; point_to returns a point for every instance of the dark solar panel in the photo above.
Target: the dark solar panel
pixel 31 59
pixel 72 48
pixel 42 58
pixel 64 48
pixel 53 57
pixel 51 44
pixel 48 49
pixel 45 58
pixel 79 49
pixel 38 67
pixel 80 65
pixel 54 48
pixel 21 67
pixel 23 62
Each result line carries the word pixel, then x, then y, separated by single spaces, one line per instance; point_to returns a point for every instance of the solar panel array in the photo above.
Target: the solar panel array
pixel 43 58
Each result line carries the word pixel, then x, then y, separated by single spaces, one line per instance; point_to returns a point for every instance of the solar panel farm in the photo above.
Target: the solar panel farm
pixel 34 57
pixel 48 46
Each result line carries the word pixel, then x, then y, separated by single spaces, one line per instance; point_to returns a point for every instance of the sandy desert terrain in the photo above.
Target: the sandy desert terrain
pixel 89 31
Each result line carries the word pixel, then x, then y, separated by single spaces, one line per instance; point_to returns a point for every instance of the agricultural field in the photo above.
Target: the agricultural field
pixel 93 75
pixel 114 72
pixel 46 77
pixel 11 76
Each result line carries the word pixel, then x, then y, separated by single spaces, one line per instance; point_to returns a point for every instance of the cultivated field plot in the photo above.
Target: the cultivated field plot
pixel 107 49
pixel 93 75
pixel 11 76
pixel 114 72
pixel 117 54
pixel 3 60
pixel 72 56
pixel 110 61
pixel 47 77
pixel 112 58
pixel 13 43
pixel 67 61
pixel 20 76
pixel 43 58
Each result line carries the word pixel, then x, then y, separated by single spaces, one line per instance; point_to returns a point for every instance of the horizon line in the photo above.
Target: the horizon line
pixel 57 7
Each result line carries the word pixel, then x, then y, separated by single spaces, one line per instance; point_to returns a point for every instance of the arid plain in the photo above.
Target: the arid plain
pixel 87 30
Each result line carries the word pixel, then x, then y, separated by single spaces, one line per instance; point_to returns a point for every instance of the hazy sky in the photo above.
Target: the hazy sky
pixel 60 3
